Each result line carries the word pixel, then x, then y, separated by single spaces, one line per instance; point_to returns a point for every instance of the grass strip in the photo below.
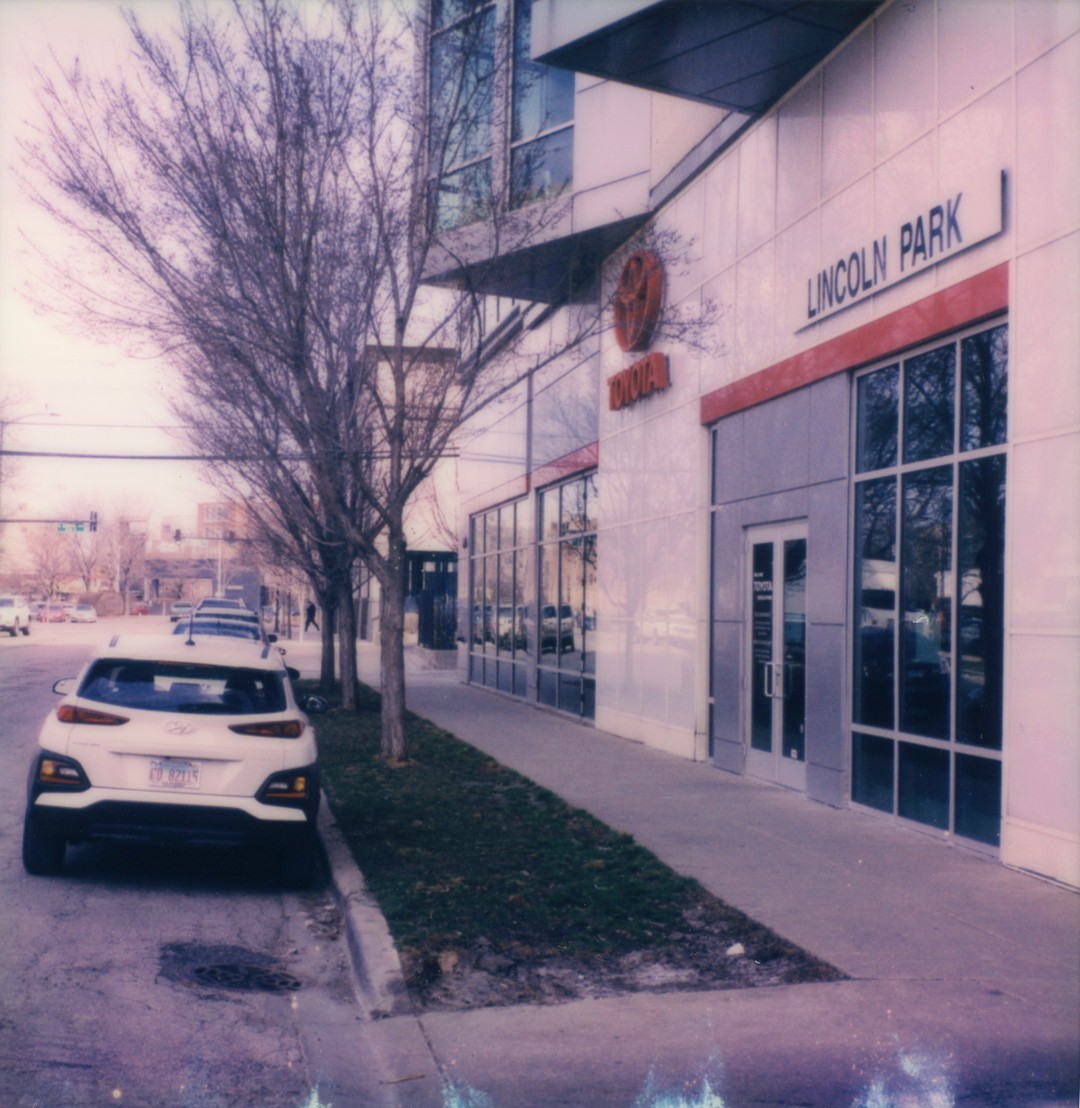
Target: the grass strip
pixel 464 854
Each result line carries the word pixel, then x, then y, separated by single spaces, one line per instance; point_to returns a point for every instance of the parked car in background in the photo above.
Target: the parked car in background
pixel 35 607
pixel 139 608
pixel 14 615
pixel 161 742
pixel 180 609
pixel 83 613
pixel 53 611
pixel 196 627
pixel 219 603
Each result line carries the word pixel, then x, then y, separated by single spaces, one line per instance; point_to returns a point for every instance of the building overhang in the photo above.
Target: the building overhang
pixel 562 268
pixel 737 54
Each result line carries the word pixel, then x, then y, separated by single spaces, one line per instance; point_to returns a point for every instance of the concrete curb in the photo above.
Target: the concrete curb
pixel 374 958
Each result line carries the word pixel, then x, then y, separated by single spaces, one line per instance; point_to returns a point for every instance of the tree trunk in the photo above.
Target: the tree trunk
pixel 326 668
pixel 346 629
pixel 394 746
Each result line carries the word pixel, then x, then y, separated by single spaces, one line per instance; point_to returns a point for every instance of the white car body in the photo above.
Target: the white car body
pixel 14 615
pixel 144 748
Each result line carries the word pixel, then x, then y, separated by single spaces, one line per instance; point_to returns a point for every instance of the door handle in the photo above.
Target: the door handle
pixel 769 679
pixel 778 680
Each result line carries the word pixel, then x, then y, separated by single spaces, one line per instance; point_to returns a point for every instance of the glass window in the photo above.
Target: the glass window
pixel 978 799
pixel 872 771
pixel 543 96
pixel 923 793
pixel 980 626
pixel 567 616
pixel 926 561
pixel 875 602
pixel 541 169
pixel 929 403
pixel 878 415
pixel 928 647
pixel 984 362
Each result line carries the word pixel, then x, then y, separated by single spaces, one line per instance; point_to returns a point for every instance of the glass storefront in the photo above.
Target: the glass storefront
pixel 929 530
pixel 532 597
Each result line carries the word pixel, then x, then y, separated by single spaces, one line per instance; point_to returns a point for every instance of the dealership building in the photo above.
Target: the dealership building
pixel 807 507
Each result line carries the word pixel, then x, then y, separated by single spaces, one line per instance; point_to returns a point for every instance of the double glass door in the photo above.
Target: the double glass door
pixel 776 650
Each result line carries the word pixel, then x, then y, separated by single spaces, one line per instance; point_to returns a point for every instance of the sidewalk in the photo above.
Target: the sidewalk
pixel 965 976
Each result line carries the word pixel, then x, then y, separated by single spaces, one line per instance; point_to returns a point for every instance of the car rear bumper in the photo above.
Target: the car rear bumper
pixel 216 821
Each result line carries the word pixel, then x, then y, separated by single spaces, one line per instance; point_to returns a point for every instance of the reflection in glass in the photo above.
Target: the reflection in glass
pixel 872 771
pixel 491 578
pixel 504 619
pixel 573 604
pixel 462 86
pixel 549 513
pixel 762 647
pixel 951 616
pixel 929 404
pixel 541 169
pixel 794 669
pixel 878 408
pixel 543 97
pixel 875 602
pixel 572 518
pixel 549 601
pixel 926 561
pixel 984 367
pixel 464 196
pixel 981 619
pixel 923 792
pixel 588 607
pixel 978 799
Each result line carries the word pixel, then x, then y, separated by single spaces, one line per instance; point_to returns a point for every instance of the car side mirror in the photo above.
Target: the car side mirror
pixel 294 674
pixel 64 686
pixel 314 705
pixel 271 638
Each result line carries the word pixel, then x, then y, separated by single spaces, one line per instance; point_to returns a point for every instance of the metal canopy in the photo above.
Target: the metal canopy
pixel 737 54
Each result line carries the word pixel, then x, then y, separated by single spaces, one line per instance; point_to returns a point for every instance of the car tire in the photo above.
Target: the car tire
pixel 42 851
pixel 13 630
pixel 26 630
pixel 298 865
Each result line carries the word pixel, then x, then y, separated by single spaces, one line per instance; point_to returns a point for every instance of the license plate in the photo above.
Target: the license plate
pixel 175 775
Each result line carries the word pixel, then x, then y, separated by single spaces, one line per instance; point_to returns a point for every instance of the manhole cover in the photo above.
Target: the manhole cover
pixel 225 967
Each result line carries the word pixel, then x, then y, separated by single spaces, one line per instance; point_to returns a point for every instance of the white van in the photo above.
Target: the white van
pixel 14 615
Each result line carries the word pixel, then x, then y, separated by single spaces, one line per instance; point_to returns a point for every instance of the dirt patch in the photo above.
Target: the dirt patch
pixel 718 949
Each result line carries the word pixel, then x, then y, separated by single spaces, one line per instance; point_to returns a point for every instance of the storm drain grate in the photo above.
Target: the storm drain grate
pixel 225 967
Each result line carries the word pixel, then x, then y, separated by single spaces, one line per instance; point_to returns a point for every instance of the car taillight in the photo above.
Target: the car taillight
pixel 75 713
pixel 54 772
pixel 271 729
pixel 297 788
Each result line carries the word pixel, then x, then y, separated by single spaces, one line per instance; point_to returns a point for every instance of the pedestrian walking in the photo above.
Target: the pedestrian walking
pixel 309 618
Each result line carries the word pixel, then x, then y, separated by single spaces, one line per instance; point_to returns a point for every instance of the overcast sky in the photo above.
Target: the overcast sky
pixel 105 402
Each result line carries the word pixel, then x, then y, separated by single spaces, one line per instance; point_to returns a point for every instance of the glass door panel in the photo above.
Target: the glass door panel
pixel 776 686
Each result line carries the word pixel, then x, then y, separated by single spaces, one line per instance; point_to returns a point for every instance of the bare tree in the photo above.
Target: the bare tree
pixel 259 192
pixel 49 559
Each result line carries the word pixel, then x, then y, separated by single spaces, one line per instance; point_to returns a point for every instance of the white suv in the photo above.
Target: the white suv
pixel 14 615
pixel 161 740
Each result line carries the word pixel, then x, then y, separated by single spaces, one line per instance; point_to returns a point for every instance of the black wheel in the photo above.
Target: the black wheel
pixel 13 630
pixel 26 629
pixel 43 852
pixel 298 865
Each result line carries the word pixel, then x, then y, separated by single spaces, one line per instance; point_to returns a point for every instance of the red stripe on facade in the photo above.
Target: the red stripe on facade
pixel 584 458
pixel 976 298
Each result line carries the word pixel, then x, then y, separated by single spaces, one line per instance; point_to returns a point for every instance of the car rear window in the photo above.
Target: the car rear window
pixel 183 687
pixel 230 629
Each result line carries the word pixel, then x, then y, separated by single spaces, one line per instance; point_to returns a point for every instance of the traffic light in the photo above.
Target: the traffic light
pixel 93 521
